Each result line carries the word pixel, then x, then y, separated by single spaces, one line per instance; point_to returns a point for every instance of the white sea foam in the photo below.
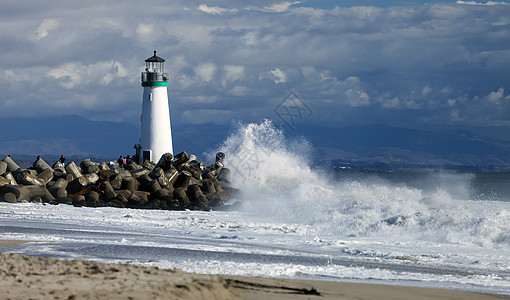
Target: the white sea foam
pixel 276 179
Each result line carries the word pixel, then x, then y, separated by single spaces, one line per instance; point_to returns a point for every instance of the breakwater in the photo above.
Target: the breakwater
pixel 174 183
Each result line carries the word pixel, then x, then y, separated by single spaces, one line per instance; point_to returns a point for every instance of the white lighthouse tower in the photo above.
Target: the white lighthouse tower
pixel 155 132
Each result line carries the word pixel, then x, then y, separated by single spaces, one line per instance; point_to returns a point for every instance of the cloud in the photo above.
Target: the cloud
pixel 480 3
pixel 455 116
pixel 426 90
pixel 390 103
pixel 146 32
pixel 239 91
pixel 233 73
pixel 357 97
pixel 206 71
pixel 402 65
pixel 215 10
pixel 496 96
pixel 276 75
pixel 46 26
pixel 281 7
pixel 74 73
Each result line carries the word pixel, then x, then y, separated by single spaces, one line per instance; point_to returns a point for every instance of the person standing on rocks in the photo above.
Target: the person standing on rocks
pixel 62 159
pixel 120 161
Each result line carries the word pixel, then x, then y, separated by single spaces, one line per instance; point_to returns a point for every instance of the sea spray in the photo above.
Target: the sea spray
pixel 275 177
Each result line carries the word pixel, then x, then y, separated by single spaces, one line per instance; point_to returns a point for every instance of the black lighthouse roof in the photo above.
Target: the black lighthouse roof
pixel 154 58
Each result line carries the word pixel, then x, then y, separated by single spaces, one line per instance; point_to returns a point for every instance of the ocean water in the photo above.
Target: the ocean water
pixel 293 221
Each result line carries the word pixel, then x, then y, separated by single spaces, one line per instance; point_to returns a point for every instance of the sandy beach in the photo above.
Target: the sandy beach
pixel 47 278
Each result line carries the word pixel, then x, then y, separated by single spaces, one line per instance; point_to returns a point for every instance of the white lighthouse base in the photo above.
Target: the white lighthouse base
pixel 155 131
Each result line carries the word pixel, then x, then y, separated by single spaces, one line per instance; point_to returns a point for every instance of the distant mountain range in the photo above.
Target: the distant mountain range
pixel 69 135
pixel 77 136
pixel 401 146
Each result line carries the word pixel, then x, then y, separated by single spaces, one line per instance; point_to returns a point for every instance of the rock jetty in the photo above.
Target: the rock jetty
pixel 173 183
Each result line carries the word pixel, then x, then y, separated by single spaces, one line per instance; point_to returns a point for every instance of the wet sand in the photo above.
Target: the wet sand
pixel 5 243
pixel 47 278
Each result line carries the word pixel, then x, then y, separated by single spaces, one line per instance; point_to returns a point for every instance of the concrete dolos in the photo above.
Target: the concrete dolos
pixel 175 182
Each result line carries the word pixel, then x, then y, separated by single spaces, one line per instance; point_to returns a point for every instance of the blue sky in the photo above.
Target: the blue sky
pixel 403 63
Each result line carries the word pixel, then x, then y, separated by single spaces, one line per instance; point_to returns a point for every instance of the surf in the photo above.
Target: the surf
pixel 277 179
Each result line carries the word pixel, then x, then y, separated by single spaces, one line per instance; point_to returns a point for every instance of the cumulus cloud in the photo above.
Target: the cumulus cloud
pixel 496 96
pixel 390 103
pixel 276 75
pixel 357 97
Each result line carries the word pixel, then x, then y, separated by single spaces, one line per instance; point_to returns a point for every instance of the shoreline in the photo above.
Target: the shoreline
pixel 48 278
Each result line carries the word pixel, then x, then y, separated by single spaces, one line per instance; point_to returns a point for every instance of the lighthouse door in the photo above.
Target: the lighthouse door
pixel 146 155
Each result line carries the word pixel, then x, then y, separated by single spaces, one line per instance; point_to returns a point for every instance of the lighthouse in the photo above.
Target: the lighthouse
pixel 155 132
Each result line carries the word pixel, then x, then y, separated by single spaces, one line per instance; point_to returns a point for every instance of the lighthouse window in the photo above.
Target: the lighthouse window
pixel 150 97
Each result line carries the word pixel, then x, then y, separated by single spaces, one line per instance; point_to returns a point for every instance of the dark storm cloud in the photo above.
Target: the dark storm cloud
pixel 441 63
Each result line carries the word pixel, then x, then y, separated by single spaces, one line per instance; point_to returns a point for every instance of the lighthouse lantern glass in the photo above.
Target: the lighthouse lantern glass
pixel 156 67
